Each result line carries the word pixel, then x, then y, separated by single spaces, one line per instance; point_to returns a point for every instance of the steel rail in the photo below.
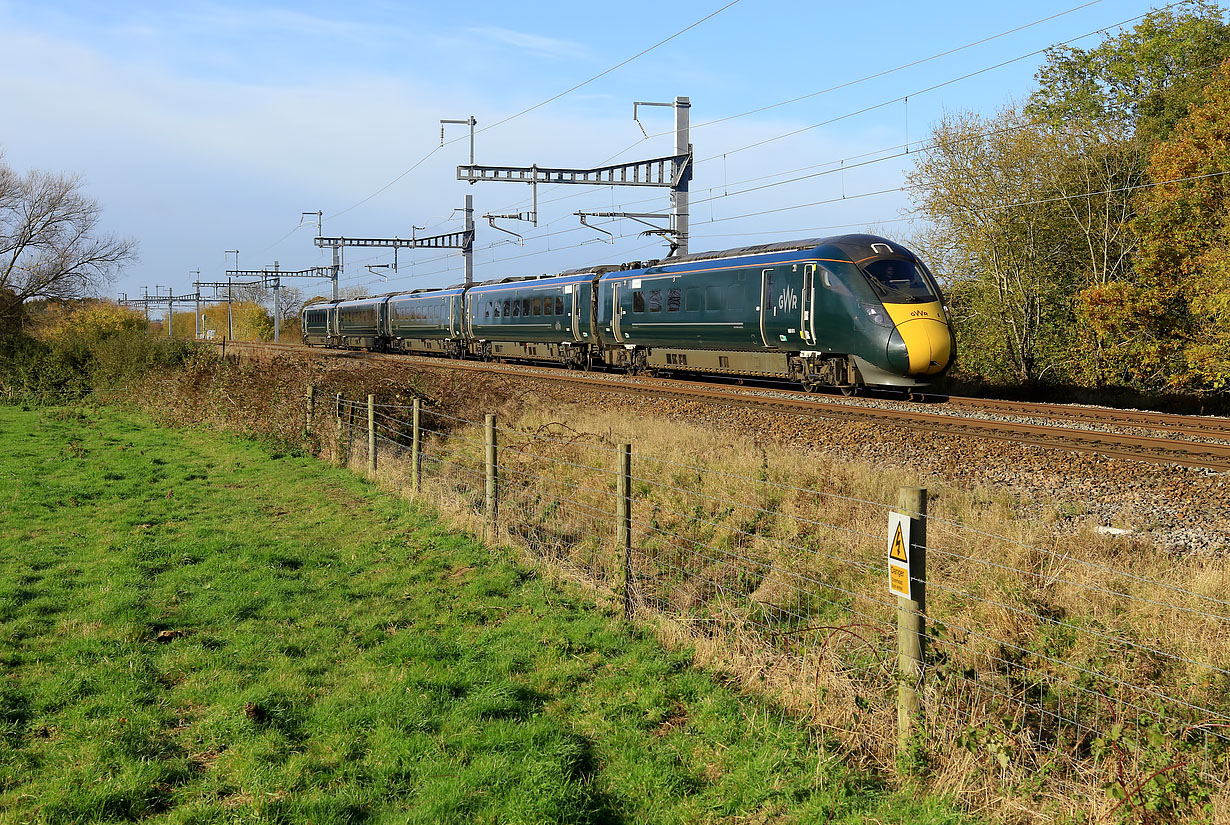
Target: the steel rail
pixel 1129 446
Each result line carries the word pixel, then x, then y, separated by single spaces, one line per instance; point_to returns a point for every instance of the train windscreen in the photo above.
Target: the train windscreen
pixel 899 281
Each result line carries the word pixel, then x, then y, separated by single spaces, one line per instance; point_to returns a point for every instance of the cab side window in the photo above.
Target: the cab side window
pixel 832 281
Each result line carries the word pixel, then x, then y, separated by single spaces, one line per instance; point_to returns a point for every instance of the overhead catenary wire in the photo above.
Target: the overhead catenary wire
pixel 899 98
pixel 549 100
pixel 845 197
pixel 857 81
pixel 770 106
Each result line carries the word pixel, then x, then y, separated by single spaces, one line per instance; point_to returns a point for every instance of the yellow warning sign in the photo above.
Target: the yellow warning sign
pixel 899 554
pixel 897 548
pixel 899 580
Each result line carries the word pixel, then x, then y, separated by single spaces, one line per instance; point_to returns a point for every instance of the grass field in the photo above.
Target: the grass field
pixel 200 629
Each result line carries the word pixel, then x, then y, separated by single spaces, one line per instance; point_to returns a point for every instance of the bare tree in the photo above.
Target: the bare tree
pixel 291 301
pixel 50 246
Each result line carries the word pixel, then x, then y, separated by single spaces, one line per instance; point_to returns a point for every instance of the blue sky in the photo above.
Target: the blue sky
pixel 202 127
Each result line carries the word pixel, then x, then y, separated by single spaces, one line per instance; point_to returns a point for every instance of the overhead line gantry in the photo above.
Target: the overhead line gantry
pixel 673 172
pixel 462 239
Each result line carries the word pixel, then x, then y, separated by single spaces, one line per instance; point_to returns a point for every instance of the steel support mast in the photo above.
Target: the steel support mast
pixel 273 279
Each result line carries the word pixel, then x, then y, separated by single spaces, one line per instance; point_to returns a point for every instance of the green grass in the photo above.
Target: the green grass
pixel 199 629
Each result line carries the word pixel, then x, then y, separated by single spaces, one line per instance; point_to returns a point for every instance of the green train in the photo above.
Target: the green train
pixel 845 312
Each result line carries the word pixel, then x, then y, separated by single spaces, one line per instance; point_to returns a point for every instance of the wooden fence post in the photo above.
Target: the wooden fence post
pixel 493 478
pixel 416 449
pixel 337 447
pixel 371 435
pixel 352 405
pixel 623 522
pixel 911 622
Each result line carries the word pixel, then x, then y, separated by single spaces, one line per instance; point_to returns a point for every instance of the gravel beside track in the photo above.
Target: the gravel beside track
pixel 1185 510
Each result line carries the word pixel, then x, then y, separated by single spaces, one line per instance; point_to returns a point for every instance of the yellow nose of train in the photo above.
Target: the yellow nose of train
pixel 924 328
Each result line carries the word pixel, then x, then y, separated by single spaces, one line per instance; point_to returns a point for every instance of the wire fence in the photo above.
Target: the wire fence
pixel 1036 659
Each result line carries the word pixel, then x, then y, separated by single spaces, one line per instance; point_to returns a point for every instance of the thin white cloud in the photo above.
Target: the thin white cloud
pixel 537 44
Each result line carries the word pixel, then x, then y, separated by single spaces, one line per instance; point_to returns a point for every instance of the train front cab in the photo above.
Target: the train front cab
pixel 901 336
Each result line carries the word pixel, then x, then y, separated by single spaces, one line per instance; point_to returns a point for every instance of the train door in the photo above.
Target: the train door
pixel 766 300
pixel 807 321
pixel 575 289
pixel 617 311
pixel 452 317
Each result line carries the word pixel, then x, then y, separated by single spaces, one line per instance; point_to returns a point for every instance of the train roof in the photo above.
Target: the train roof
pixel 568 273
pixel 857 245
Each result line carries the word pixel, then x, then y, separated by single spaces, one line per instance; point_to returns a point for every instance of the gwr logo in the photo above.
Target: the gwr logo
pixel 788 301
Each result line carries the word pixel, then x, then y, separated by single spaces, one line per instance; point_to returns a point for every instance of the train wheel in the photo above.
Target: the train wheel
pixel 849 390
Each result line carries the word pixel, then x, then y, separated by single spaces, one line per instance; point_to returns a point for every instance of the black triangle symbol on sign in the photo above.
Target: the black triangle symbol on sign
pixel 898 550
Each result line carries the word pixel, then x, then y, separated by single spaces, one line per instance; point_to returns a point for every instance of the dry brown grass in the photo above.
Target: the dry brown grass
pixel 769 564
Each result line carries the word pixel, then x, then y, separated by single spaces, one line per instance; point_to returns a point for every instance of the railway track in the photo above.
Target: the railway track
pixel 1191 441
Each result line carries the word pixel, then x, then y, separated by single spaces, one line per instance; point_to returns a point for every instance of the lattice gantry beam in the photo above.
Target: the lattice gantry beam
pixel 449 240
pixel 666 172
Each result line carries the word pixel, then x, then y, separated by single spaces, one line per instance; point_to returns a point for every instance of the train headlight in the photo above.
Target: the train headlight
pixel 877 315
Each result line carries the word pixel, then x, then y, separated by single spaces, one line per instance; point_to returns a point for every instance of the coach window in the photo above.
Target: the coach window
pixel 547 306
pixel 638 301
pixel 559 304
pixel 692 299
pixel 507 310
pixel 537 306
pixel 525 306
pixel 713 298
pixel 516 308
pixel 655 300
pixel 674 299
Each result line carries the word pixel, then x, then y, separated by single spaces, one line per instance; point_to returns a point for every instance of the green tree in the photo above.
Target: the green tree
pixel 1178 314
pixel 1144 79
pixel 994 230
pixel 250 320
